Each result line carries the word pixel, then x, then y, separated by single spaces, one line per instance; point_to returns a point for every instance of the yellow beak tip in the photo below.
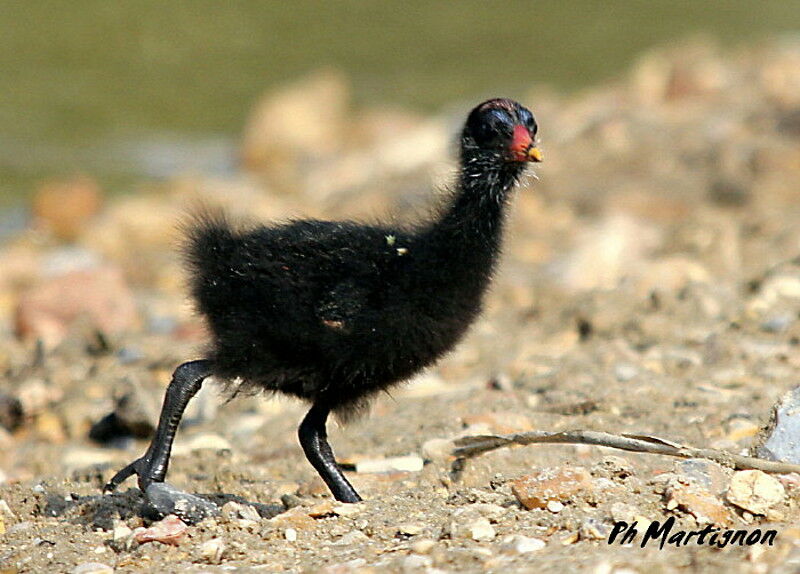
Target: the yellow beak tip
pixel 534 154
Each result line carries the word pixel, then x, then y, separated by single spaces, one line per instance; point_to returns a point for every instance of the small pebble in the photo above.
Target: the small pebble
pixel 520 544
pixel 704 473
pixel 592 529
pixel 755 491
pixel 422 546
pixel 6 509
pixel 551 484
pixel 212 550
pixel 625 372
pixel 169 530
pixel 410 528
pixel 290 534
pixel 321 509
pixel 92 568
pixel 555 506
pixel 352 537
pixel 481 530
pixel 121 532
pixel 570 539
pixel 348 510
pixel 695 499
pixel 234 509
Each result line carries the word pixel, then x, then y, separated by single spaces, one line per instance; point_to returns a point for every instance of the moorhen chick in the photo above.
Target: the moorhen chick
pixel 333 312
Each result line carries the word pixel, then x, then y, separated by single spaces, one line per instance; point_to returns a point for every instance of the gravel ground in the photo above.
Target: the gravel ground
pixel 650 285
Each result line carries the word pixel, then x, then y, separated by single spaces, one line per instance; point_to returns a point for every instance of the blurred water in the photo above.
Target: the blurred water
pixel 132 89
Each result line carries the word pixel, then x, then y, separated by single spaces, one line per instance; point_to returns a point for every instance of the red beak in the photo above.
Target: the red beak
pixel 522 148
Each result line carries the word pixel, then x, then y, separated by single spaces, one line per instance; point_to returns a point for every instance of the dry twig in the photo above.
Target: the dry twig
pixel 470 446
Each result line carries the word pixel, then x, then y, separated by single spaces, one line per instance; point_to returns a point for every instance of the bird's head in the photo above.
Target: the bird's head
pixel 502 129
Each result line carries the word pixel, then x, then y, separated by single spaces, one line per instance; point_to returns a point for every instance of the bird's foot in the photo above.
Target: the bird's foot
pixel 143 468
pixel 162 498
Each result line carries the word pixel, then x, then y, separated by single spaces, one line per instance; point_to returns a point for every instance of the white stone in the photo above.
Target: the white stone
pixel 212 550
pixel 352 537
pixel 755 491
pixel 121 532
pixel 92 568
pixel 410 528
pixel 410 463
pixel 523 544
pixel 481 530
pixel 348 510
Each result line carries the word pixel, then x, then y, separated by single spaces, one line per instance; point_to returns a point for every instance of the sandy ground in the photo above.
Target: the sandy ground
pixel 649 286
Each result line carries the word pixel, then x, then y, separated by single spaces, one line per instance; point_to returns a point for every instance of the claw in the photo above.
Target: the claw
pixel 133 468
pixel 120 477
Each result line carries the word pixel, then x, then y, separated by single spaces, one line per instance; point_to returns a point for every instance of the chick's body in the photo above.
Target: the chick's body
pixel 317 309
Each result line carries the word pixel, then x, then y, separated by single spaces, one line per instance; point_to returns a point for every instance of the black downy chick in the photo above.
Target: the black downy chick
pixel 334 312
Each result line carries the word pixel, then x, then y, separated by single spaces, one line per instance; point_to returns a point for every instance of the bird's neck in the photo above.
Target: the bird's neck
pixel 467 237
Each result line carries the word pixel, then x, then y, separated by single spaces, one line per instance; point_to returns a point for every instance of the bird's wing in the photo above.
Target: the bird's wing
pixel 340 306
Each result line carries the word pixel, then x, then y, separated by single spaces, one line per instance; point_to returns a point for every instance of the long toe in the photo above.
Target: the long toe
pixel 121 477
pixel 142 468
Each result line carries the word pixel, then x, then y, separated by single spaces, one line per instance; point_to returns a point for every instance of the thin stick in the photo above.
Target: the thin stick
pixel 470 446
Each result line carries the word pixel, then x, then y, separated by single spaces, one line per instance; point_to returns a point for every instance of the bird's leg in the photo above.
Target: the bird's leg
pixel 152 467
pixel 314 440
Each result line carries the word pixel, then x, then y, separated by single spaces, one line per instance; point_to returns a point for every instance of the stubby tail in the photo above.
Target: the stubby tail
pixel 208 250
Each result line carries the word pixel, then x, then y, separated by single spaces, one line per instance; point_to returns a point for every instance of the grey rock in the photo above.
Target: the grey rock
pixel 165 499
pixel 778 323
pixel 11 415
pixel 593 529
pixel 268 510
pixel 234 509
pixel 781 438
pixel 705 473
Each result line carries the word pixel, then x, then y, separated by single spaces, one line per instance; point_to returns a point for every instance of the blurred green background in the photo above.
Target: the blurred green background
pixel 127 90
